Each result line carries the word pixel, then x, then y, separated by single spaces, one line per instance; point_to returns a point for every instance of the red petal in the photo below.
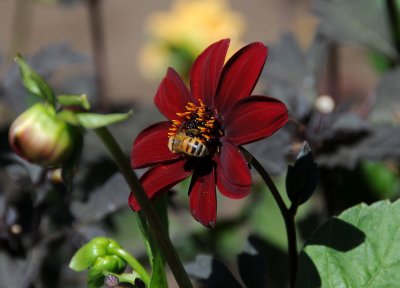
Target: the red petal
pixel 254 118
pixel 172 95
pixel 233 173
pixel 151 146
pixel 203 201
pixel 160 179
pixel 240 75
pixel 205 72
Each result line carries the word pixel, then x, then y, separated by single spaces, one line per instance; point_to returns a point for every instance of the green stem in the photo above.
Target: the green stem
pixel 287 214
pixel 155 226
pixel 136 266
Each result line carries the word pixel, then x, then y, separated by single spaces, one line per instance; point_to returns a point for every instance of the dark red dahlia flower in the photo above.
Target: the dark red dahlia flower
pixel 205 126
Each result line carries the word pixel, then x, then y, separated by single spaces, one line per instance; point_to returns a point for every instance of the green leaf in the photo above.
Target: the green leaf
pixel 359 248
pixel 158 278
pixel 69 117
pixel 74 100
pixel 94 121
pixel 157 261
pixel 34 83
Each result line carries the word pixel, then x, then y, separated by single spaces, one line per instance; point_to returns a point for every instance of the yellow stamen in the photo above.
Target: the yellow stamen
pixel 182 114
pixel 202 129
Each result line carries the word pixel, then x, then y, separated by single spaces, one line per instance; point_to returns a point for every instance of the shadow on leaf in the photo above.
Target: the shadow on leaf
pixel 335 234
pixel 339 235
pixel 310 277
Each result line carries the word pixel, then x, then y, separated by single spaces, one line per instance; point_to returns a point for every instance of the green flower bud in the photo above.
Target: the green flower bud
pixel 98 256
pixel 40 137
pixel 87 255
pixel 104 264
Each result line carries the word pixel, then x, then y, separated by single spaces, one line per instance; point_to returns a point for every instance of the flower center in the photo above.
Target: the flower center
pixel 196 132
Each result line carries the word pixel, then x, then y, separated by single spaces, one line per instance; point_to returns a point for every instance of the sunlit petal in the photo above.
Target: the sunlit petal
pixel 240 75
pixel 172 95
pixel 160 179
pixel 151 146
pixel 206 70
pixel 254 118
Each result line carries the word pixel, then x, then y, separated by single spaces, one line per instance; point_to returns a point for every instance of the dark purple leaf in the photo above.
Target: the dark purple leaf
pixel 272 151
pixel 103 201
pixel 291 75
pixel 381 143
pixel 362 22
pixel 386 108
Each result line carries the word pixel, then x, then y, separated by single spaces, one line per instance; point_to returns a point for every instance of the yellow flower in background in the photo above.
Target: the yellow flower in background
pixel 177 36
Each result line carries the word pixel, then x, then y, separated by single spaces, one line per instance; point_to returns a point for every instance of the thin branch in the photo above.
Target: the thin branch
pixel 287 214
pixel 99 51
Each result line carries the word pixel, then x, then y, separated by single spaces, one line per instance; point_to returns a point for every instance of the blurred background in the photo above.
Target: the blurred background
pixel 334 63
pixel 29 26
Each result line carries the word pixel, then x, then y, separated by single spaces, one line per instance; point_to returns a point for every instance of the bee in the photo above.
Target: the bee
pixel 181 142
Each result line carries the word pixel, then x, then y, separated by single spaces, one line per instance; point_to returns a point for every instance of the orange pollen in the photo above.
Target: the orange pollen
pixel 198 121
pixel 182 114
pixel 203 129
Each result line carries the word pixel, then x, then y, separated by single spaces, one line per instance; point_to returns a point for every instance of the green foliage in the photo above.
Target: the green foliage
pixel 94 121
pixel 359 248
pixel 34 83
pixel 96 256
pixel 381 178
pixel 158 277
pixel 74 100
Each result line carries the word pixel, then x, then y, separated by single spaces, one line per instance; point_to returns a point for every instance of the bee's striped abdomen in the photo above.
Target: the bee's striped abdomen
pixel 180 143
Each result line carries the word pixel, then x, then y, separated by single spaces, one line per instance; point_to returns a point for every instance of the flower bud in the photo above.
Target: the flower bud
pixel 98 257
pixel 38 136
pixel 302 178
